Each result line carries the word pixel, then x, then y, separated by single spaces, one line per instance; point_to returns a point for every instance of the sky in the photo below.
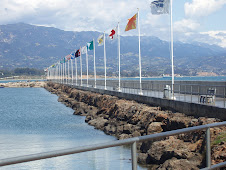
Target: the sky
pixel 193 20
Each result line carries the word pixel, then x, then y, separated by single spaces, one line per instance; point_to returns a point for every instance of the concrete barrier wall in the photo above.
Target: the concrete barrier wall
pixel 192 109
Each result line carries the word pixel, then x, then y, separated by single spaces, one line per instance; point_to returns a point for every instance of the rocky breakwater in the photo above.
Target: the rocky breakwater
pixel 23 84
pixel 125 119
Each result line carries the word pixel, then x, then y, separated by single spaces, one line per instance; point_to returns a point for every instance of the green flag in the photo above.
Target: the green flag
pixel 90 46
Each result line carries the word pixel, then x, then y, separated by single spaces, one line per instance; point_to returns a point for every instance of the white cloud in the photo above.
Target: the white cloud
pixel 103 15
pixel 186 25
pixel 219 36
pixel 74 15
pixel 201 8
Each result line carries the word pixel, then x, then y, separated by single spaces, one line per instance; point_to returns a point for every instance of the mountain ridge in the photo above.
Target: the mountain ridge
pixel 24 45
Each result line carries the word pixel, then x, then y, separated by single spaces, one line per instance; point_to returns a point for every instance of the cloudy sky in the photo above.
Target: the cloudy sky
pixel 193 20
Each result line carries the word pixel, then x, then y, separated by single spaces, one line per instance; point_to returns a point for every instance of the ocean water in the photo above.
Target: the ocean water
pixel 185 78
pixel 33 121
pixel 182 78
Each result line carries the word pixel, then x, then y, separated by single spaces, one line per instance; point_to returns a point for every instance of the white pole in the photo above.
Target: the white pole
pixel 72 76
pixel 94 62
pixel 58 72
pixel 76 72
pixel 68 71
pixel 47 74
pixel 105 72
pixel 119 61
pixel 63 72
pixel 141 93
pixel 87 69
pixel 171 30
pixel 81 65
pixel 65 67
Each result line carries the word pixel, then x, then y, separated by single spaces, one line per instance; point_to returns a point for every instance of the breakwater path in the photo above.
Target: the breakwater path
pixel 127 118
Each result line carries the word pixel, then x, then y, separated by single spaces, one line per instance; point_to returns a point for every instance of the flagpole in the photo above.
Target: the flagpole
pixel 171 30
pixel 105 71
pixel 119 62
pixel 141 93
pixel 81 64
pixel 94 62
pixel 65 71
pixel 87 68
pixel 76 72
pixel 72 76
pixel 68 71
pixel 60 73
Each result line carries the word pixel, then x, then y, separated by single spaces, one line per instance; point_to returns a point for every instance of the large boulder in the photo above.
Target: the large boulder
pixel 177 164
pixel 161 151
pixel 154 127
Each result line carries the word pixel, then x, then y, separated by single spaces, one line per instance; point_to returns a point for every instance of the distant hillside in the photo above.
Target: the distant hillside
pixel 23 45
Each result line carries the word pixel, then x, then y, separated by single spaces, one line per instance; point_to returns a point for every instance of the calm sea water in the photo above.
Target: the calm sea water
pixel 33 121
pixel 186 78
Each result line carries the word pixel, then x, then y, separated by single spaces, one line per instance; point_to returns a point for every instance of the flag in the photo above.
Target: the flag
pixel 114 33
pixel 72 55
pixel 132 23
pixel 160 7
pixel 77 53
pixel 68 57
pixel 62 61
pixel 100 40
pixel 90 46
pixel 83 50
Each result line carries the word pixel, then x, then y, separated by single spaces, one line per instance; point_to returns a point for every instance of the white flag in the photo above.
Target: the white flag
pixel 160 7
pixel 100 40
pixel 83 50
pixel 114 33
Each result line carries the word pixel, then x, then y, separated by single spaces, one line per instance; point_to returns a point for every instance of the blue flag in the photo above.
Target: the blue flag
pixel 72 55
pixel 160 7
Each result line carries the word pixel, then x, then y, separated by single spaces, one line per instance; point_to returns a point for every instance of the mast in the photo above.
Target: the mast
pixel 87 68
pixel 72 76
pixel 105 72
pixel 171 35
pixel 94 63
pixel 119 62
pixel 76 72
pixel 81 65
pixel 141 93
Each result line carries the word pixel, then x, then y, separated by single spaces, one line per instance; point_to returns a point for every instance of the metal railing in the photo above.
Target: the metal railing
pixel 132 141
pixel 188 91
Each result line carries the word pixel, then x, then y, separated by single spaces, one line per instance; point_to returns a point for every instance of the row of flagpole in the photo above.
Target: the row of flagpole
pixel 158 7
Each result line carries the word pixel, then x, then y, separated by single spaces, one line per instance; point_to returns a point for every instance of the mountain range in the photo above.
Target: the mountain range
pixel 24 45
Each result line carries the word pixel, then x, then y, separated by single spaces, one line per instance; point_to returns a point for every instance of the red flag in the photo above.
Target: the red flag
pixel 68 57
pixel 77 53
pixel 132 23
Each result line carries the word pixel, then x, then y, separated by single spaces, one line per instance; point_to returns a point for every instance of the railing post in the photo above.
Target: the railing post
pixel 208 148
pixel 134 155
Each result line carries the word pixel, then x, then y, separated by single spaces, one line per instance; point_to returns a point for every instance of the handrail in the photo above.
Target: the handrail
pixel 51 154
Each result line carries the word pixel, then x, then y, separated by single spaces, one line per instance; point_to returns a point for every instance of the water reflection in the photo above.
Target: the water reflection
pixel 32 121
